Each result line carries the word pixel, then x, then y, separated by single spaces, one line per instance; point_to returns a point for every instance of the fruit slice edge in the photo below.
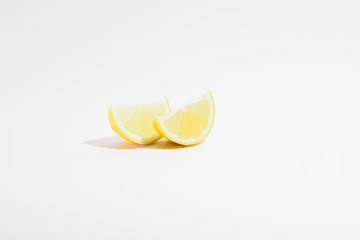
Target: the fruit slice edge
pixel 118 124
pixel 166 132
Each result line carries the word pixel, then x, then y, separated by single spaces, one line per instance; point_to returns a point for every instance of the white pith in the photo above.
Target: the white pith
pixel 161 120
pixel 131 135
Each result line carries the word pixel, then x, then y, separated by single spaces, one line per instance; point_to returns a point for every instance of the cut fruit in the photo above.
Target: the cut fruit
pixel 190 124
pixel 135 122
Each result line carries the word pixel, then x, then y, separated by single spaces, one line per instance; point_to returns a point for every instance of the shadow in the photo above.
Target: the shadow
pixel 116 142
pixel 166 144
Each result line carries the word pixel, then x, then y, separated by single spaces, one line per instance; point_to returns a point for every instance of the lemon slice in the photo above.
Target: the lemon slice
pixel 135 122
pixel 190 124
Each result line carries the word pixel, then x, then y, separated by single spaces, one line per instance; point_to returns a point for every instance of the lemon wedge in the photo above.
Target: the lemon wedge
pixel 190 124
pixel 135 122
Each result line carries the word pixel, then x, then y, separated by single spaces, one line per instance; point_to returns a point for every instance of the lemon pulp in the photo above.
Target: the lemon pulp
pixel 189 124
pixel 135 122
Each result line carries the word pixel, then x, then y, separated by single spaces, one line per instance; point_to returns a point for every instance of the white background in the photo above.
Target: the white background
pixel 282 160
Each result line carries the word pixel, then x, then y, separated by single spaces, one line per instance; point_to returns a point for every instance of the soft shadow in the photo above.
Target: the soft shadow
pixel 166 144
pixel 116 142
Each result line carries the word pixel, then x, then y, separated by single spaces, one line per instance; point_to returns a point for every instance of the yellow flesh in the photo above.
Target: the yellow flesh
pixel 135 122
pixel 190 124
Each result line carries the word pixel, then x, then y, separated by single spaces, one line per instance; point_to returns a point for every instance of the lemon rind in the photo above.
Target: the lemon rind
pixel 162 130
pixel 118 127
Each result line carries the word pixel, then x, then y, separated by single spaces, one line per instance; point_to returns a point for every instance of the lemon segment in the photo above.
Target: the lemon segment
pixel 190 124
pixel 135 122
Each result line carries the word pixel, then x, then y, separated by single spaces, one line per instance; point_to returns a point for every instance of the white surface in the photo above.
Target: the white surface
pixel 282 161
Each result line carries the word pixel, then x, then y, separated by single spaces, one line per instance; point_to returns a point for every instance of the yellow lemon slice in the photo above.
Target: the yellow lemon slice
pixel 135 122
pixel 189 124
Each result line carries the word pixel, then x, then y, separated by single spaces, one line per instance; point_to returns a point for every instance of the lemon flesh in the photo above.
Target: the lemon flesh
pixel 135 122
pixel 190 124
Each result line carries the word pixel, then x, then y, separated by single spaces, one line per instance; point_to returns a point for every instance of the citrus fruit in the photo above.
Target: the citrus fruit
pixel 135 122
pixel 189 124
